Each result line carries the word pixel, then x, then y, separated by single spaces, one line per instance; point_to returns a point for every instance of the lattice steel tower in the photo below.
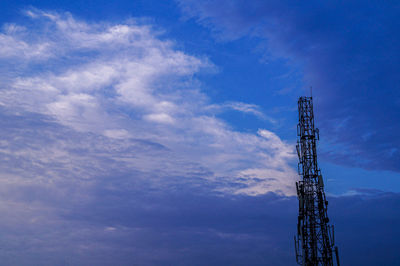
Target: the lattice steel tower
pixel 314 243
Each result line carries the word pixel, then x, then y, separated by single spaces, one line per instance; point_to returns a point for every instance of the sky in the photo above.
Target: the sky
pixel 149 132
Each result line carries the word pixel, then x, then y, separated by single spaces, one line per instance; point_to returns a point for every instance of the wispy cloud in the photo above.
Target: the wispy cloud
pixel 347 52
pixel 246 108
pixel 120 81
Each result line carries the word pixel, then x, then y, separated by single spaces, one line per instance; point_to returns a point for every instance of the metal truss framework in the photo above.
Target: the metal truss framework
pixel 314 243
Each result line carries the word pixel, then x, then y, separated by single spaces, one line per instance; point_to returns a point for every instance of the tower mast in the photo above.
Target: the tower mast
pixel 314 243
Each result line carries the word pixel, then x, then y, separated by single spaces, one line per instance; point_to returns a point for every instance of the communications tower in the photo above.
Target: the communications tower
pixel 314 243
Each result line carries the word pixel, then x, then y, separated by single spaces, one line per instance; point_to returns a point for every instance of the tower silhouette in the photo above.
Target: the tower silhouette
pixel 314 243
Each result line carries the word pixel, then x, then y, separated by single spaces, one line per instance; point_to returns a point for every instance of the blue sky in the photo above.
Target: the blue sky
pixel 163 132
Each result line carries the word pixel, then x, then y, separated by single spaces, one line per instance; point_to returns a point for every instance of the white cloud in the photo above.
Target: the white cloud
pixel 122 82
pixel 160 118
pixel 246 108
pixel 117 133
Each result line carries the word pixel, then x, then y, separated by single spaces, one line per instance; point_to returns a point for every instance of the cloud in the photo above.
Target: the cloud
pixel 83 198
pixel 121 81
pixel 105 134
pixel 118 220
pixel 368 215
pixel 86 178
pixel 241 107
pixel 347 52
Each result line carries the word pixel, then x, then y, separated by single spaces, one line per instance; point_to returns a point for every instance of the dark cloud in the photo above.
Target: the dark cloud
pixel 366 225
pixel 198 228
pixel 348 52
pixel 141 226
pixel 89 208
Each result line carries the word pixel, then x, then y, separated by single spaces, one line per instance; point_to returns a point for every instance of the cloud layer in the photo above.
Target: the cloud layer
pixel 105 134
pixel 122 82
pixel 347 51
